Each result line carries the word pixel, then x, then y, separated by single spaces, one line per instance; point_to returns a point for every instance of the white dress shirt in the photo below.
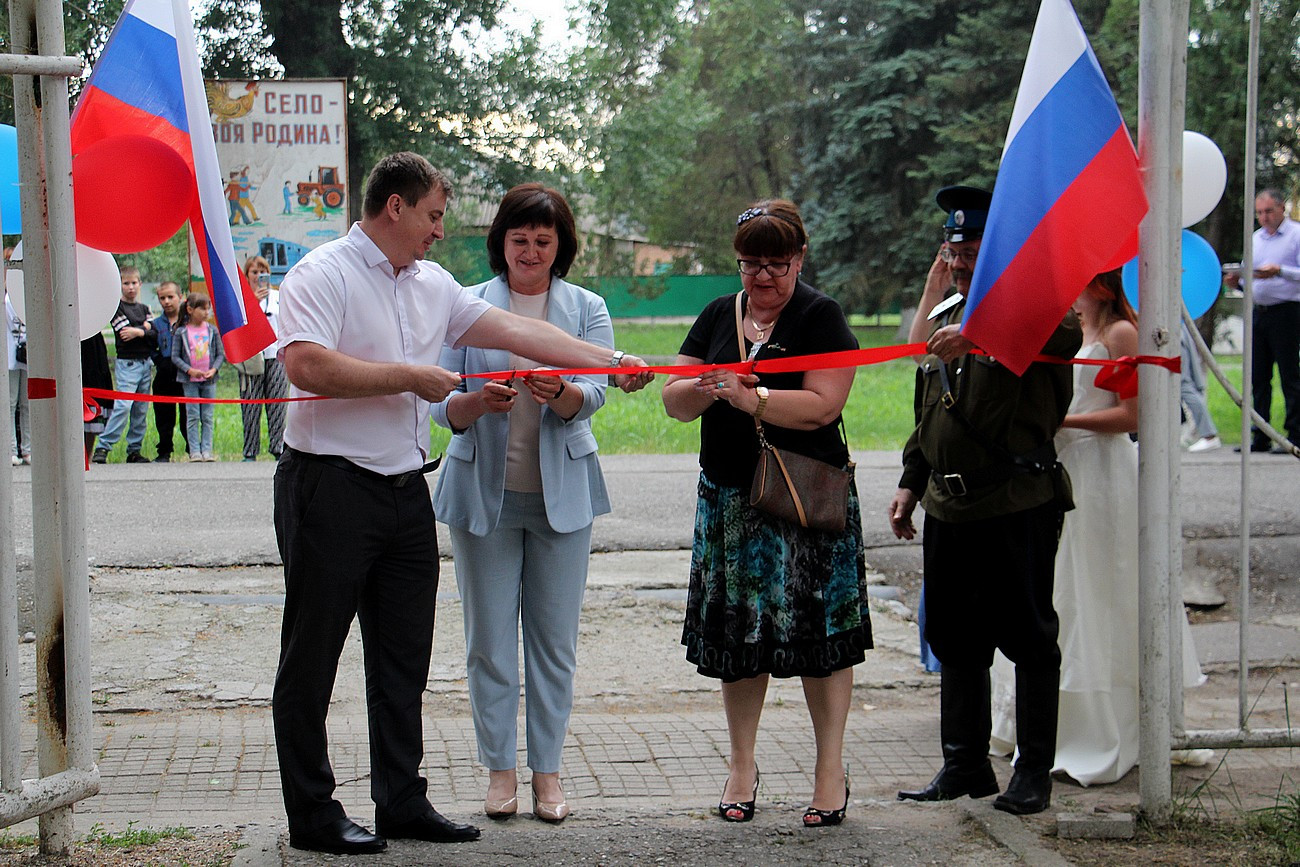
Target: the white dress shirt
pixel 345 296
pixel 1281 248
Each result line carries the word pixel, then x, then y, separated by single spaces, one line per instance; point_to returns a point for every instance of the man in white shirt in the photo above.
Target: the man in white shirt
pixel 1276 245
pixel 363 320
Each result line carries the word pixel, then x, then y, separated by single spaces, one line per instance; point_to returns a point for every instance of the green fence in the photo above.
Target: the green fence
pixel 659 296
pixel 683 295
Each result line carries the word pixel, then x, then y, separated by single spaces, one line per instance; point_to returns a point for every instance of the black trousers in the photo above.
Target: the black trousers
pixel 165 414
pixel 988 584
pixel 1276 341
pixel 352 545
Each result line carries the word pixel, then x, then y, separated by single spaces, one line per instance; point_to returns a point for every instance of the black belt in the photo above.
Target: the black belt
pixel 400 480
pixel 1040 460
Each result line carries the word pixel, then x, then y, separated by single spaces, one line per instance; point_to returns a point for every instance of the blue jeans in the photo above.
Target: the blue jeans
pixel 133 375
pixel 199 414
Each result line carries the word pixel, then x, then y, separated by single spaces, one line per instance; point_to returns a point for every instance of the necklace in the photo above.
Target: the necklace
pixel 760 330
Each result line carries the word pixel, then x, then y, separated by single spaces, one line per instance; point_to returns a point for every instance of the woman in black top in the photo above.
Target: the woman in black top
pixel 768 598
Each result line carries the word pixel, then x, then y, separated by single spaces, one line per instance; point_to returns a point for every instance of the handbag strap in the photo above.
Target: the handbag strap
pixel 758 425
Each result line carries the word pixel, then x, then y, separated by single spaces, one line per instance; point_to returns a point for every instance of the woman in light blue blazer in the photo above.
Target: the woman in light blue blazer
pixel 519 490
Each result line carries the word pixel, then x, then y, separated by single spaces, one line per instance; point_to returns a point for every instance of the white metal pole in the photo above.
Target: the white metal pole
pixel 10 716
pixel 1247 356
pixel 46 257
pixel 1158 269
pixel 67 436
pixel 1172 319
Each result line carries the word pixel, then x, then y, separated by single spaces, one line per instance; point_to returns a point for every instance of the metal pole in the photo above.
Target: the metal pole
pixel 53 358
pixel 10 716
pixel 1177 121
pixel 1158 269
pixel 67 438
pixel 1247 356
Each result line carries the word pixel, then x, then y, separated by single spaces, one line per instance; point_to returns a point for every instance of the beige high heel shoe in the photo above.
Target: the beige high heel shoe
pixel 549 811
pixel 497 808
pixel 501 808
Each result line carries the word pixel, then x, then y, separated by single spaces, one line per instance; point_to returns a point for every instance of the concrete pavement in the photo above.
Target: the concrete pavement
pixel 642 783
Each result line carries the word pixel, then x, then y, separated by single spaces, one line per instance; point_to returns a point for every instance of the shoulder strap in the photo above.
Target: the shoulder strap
pixel 1035 460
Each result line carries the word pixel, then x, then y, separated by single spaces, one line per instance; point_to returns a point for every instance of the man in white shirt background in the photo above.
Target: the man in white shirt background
pixel 1276 321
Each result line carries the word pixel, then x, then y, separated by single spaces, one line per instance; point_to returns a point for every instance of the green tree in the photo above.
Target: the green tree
pixel 868 121
pixel 693 119
pixel 1217 52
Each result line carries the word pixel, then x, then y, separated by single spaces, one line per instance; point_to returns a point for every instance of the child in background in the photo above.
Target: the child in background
pixel 134 337
pixel 164 380
pixel 197 354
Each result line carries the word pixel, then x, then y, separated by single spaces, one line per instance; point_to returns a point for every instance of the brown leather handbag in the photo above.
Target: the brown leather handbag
pixel 795 487
pixel 799 489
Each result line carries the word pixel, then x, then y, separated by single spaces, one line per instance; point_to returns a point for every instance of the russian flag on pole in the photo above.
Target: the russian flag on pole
pixel 148 82
pixel 1068 198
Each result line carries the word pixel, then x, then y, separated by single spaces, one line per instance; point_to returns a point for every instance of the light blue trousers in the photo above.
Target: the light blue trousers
pixel 523 571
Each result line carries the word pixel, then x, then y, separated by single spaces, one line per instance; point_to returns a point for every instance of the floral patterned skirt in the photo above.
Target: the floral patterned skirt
pixel 769 597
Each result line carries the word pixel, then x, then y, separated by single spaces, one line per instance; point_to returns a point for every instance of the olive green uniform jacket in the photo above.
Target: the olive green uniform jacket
pixel 1017 413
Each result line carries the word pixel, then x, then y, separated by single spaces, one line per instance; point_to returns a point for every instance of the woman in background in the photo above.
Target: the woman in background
pixel 262 376
pixel 1096 591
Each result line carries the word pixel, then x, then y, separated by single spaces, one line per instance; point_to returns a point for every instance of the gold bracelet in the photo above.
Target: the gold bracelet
pixel 763 394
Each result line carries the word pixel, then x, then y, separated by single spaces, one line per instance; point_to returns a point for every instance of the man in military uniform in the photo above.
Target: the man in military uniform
pixel 982 464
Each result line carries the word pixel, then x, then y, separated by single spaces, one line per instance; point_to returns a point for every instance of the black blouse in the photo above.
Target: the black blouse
pixel 810 323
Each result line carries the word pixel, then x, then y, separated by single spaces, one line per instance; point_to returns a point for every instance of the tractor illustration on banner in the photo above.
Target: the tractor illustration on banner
pixel 327 186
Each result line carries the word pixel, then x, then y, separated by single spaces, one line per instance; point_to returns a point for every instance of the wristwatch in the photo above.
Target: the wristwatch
pixel 762 393
pixel 614 361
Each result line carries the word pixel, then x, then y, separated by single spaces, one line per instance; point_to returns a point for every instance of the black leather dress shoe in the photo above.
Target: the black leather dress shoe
pixel 340 837
pixel 432 827
pixel 1026 794
pixel 951 783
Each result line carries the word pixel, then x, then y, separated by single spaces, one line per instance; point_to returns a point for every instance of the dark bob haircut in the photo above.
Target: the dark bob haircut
pixel 533 205
pixel 771 228
pixel 408 175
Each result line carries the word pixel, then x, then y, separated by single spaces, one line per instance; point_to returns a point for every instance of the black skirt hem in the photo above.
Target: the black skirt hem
pixel 806 659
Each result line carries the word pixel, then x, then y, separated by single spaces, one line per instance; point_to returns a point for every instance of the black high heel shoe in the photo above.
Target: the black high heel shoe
pixel 815 818
pixel 739 811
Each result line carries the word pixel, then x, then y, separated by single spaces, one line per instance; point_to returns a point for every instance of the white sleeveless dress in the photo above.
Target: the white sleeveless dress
pixel 1096 598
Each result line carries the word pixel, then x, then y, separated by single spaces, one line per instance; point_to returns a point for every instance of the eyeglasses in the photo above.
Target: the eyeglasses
pixel 949 255
pixel 753 267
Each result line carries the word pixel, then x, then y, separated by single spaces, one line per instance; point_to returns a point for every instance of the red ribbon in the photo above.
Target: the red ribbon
pixel 1118 375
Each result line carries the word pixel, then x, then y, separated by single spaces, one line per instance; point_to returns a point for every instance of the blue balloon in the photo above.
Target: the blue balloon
pixel 11 217
pixel 1202 277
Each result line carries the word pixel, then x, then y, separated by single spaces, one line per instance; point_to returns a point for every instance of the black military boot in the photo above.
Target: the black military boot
pixel 1030 789
pixel 965 723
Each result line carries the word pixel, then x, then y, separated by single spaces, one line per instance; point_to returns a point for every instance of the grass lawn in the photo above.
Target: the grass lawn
pixel 878 414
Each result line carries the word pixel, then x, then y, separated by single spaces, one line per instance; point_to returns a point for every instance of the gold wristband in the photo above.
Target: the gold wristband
pixel 762 393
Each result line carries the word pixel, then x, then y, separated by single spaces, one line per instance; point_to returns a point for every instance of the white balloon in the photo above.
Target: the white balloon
pixel 99 288
pixel 1205 175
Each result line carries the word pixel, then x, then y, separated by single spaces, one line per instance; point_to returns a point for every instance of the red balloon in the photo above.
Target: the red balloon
pixel 130 193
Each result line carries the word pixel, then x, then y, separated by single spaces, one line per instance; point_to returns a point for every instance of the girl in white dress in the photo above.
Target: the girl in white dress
pixel 1096 590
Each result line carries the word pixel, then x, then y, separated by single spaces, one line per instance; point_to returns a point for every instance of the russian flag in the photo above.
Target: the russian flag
pixel 1068 197
pixel 148 82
